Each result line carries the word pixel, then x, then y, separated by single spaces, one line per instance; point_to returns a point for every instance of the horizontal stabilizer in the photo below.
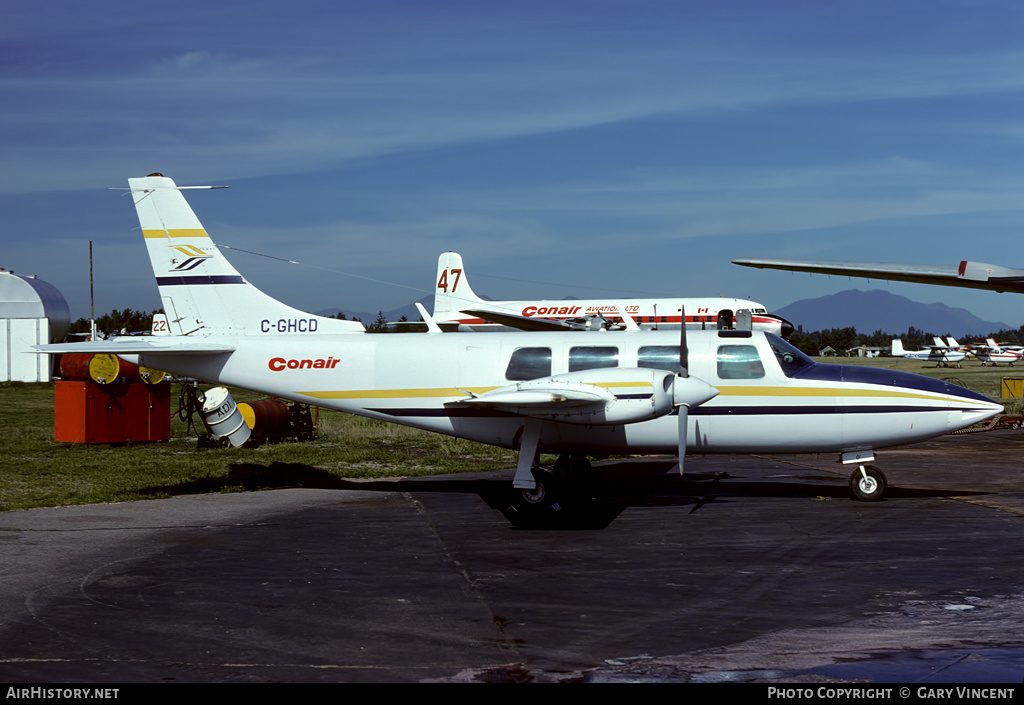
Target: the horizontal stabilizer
pixel 137 346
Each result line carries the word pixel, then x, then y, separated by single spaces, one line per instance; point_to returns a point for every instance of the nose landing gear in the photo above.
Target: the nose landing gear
pixel 867 484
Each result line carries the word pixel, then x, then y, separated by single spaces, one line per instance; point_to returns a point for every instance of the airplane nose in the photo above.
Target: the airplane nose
pixel 787 327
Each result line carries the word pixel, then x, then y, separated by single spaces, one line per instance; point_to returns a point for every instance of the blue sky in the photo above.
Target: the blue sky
pixel 564 148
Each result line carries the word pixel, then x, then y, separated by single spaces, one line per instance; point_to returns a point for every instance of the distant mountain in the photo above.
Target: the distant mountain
pixel 409 311
pixel 868 311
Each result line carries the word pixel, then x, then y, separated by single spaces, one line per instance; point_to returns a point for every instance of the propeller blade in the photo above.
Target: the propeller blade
pixel 683 415
pixel 684 350
pixel 687 391
pixel 684 372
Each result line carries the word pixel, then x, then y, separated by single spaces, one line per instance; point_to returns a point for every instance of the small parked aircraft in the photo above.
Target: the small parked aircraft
pixel 455 302
pixel 630 392
pixel 941 354
pixel 994 353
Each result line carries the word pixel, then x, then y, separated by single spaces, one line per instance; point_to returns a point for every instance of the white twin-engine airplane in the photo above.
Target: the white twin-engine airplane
pixel 456 303
pixel 630 392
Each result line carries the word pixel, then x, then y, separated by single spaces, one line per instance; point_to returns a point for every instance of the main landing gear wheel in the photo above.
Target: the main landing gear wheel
pixel 530 507
pixel 867 484
pixel 543 493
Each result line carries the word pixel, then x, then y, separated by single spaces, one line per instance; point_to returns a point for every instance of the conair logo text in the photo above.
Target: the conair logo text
pixel 194 256
pixel 280 364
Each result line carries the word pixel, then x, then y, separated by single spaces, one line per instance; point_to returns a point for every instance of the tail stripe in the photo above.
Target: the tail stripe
pixel 174 232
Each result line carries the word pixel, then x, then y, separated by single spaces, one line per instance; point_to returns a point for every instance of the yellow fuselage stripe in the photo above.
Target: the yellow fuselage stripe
pixel 749 391
pixel 398 393
pixel 432 392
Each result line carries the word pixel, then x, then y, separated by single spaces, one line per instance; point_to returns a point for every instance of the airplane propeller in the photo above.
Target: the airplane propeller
pixel 687 391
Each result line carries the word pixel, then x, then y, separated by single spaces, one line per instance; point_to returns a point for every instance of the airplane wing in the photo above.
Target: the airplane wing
pixel 605 396
pixel 971 275
pixel 530 323
pixel 540 401
pixel 521 322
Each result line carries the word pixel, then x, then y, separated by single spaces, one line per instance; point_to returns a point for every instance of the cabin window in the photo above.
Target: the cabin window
pixel 659 357
pixel 529 363
pixel 592 357
pixel 739 362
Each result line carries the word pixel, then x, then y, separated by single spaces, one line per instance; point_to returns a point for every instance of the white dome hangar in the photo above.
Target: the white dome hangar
pixel 32 312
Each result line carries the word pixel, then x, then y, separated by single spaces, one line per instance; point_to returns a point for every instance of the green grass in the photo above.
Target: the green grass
pixel 35 471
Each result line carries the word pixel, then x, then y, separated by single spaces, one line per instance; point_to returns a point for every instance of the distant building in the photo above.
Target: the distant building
pixel 865 351
pixel 32 312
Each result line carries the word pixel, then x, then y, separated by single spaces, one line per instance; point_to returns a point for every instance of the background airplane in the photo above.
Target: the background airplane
pixel 941 354
pixel 992 352
pixel 456 303
pixel 971 275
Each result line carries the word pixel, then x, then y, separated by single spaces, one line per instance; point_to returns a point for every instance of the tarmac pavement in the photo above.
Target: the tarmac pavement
pixel 747 569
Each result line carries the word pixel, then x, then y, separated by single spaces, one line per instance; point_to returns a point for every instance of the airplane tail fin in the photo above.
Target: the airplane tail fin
pixel 201 292
pixel 452 292
pixel 897 348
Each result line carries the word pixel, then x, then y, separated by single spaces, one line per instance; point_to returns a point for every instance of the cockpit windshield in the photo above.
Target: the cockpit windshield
pixel 793 362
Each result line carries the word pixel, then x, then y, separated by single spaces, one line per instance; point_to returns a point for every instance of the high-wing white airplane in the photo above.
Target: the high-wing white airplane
pixel 940 353
pixel 630 392
pixel 456 303
pixel 994 353
pixel 971 275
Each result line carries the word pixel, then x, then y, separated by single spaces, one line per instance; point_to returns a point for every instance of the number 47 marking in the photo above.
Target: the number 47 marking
pixel 442 283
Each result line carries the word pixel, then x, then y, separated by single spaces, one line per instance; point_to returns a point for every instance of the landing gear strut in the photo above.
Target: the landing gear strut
pixel 867 484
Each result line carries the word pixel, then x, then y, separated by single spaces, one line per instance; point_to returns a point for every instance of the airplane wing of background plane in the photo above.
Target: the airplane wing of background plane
pixel 972 275
pixel 521 322
pixel 533 323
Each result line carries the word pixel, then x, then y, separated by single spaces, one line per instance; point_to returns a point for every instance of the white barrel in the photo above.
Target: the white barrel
pixel 222 417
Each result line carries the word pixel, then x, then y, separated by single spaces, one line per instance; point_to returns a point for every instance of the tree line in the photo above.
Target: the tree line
pixel 122 322
pixel 843 339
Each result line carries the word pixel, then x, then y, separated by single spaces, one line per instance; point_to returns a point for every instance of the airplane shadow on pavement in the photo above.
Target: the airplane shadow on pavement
pixel 591 501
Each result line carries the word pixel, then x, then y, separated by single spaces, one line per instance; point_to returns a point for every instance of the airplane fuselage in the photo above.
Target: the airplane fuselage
pixel 649 314
pixel 936 355
pixel 765 404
